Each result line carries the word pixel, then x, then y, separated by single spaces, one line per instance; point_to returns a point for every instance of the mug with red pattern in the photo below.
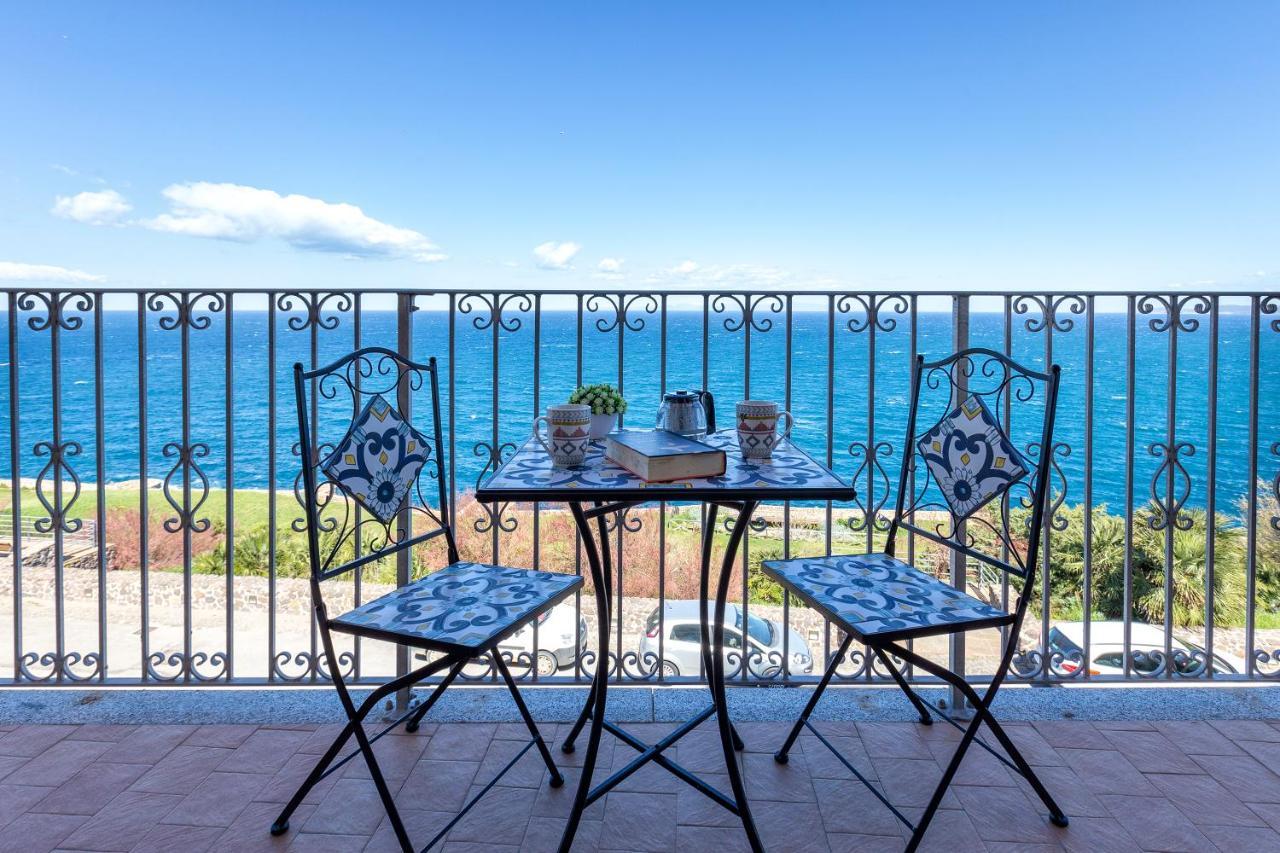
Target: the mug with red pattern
pixel 758 428
pixel 568 433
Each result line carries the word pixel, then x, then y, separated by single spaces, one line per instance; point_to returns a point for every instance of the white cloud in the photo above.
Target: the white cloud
pixel 107 207
pixel 609 265
pixel 555 256
pixel 13 271
pixel 248 214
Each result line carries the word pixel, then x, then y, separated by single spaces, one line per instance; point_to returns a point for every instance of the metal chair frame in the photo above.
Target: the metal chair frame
pixel 386 371
pixel 957 369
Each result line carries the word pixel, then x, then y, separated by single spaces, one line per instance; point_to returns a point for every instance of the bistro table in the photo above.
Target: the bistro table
pixel 599 488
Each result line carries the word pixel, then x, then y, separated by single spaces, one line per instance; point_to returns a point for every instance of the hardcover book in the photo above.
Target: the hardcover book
pixel 658 456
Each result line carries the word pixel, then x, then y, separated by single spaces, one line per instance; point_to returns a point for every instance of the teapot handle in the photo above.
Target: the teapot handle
pixel 709 406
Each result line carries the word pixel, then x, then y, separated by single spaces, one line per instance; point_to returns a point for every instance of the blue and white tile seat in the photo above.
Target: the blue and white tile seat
pixel 877 597
pixel 464 607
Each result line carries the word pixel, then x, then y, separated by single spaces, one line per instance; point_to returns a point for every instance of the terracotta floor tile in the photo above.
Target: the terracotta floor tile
pixel 9 764
pixel 1240 838
pixel 544 834
pixel 352 807
pixel 462 742
pixel 89 791
pixel 249 833
pixel 104 732
pixel 170 838
pixel 1204 800
pixel 1238 730
pixel 848 807
pixel 822 764
pixel 218 800
pixel 147 744
pixel 308 842
pixel 768 780
pixel 31 740
pixel 639 822
pixel 227 737
pixel 1242 776
pixel 1152 752
pixel 501 817
pixel 440 785
pixel 264 751
pixel 1156 824
pixel 894 740
pixel 1105 771
pixel 38 833
pixel 181 770
pixel 1198 738
pixel 1096 834
pixel 1006 814
pixel 15 800
pixel 59 763
pixel 845 843
pixel 421 825
pixel 123 823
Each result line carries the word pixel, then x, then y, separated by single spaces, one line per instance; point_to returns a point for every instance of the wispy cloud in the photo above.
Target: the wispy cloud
pixel 691 272
pixel 555 256
pixel 248 214
pixel 106 207
pixel 14 271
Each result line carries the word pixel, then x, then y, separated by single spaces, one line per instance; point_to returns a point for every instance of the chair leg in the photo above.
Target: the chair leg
pixel 556 779
pixel 569 741
pixel 416 720
pixel 921 708
pixel 982 713
pixel 781 755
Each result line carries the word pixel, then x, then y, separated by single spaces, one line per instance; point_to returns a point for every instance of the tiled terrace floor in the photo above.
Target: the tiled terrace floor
pixel 1126 786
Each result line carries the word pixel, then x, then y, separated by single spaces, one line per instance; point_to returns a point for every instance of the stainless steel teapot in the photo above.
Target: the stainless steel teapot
pixel 688 413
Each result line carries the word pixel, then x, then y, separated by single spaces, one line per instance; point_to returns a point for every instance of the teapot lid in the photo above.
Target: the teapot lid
pixel 681 396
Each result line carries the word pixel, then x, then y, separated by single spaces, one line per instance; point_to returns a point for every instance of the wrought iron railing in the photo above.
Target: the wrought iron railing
pixel 161 420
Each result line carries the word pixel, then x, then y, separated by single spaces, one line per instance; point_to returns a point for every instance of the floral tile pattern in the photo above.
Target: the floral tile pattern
pixel 971 458
pixel 379 459
pixel 465 604
pixel 790 470
pixel 876 594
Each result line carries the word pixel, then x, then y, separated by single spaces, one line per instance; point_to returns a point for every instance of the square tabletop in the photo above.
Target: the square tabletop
pixel 791 474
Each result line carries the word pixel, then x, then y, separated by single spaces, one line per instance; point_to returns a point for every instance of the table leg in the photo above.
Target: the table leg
pixel 717 676
pixel 600 683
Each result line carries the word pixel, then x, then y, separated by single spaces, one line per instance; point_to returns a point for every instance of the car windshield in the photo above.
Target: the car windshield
pixel 761 630
pixel 1060 642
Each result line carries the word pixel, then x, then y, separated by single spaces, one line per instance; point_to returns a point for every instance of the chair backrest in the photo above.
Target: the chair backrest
pixel 365 461
pixel 977 459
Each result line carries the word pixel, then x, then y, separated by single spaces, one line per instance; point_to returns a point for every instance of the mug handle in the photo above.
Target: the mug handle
pixel 790 423
pixel 538 434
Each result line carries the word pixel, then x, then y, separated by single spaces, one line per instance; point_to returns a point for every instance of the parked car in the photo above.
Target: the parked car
pixel 556 648
pixel 1106 645
pixel 681 647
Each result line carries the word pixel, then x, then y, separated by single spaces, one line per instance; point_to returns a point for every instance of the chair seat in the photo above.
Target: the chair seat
pixel 465 607
pixel 875 596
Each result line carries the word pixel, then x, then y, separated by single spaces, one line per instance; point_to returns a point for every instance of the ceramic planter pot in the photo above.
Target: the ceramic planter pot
pixel 602 425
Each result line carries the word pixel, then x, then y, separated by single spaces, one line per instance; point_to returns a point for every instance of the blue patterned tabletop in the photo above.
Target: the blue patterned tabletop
pixel 791 474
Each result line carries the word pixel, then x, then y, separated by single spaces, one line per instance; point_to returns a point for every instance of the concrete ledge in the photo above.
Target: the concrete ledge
pixel 280 706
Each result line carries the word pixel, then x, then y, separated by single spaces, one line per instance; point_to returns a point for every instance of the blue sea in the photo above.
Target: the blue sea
pixel 520 393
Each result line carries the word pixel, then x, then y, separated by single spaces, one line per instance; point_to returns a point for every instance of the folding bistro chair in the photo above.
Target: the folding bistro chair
pixel 365 511
pixel 877 599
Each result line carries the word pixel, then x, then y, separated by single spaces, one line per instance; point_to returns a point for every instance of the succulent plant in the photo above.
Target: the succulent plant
pixel 603 399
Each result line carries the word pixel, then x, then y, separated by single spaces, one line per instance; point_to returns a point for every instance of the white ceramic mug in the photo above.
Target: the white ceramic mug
pixel 758 428
pixel 568 433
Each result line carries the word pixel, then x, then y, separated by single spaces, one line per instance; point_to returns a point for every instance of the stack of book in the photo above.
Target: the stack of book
pixel 658 456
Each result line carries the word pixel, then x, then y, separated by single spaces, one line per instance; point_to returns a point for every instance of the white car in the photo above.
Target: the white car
pixel 1106 646
pixel 682 645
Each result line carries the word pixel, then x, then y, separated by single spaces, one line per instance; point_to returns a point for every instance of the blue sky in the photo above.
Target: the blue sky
pixel 896 146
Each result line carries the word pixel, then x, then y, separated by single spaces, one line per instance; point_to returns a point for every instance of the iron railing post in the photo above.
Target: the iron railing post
pixel 959 563
pixel 404 400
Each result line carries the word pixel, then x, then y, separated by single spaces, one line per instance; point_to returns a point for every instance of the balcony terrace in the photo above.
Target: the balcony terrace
pixel 165 683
